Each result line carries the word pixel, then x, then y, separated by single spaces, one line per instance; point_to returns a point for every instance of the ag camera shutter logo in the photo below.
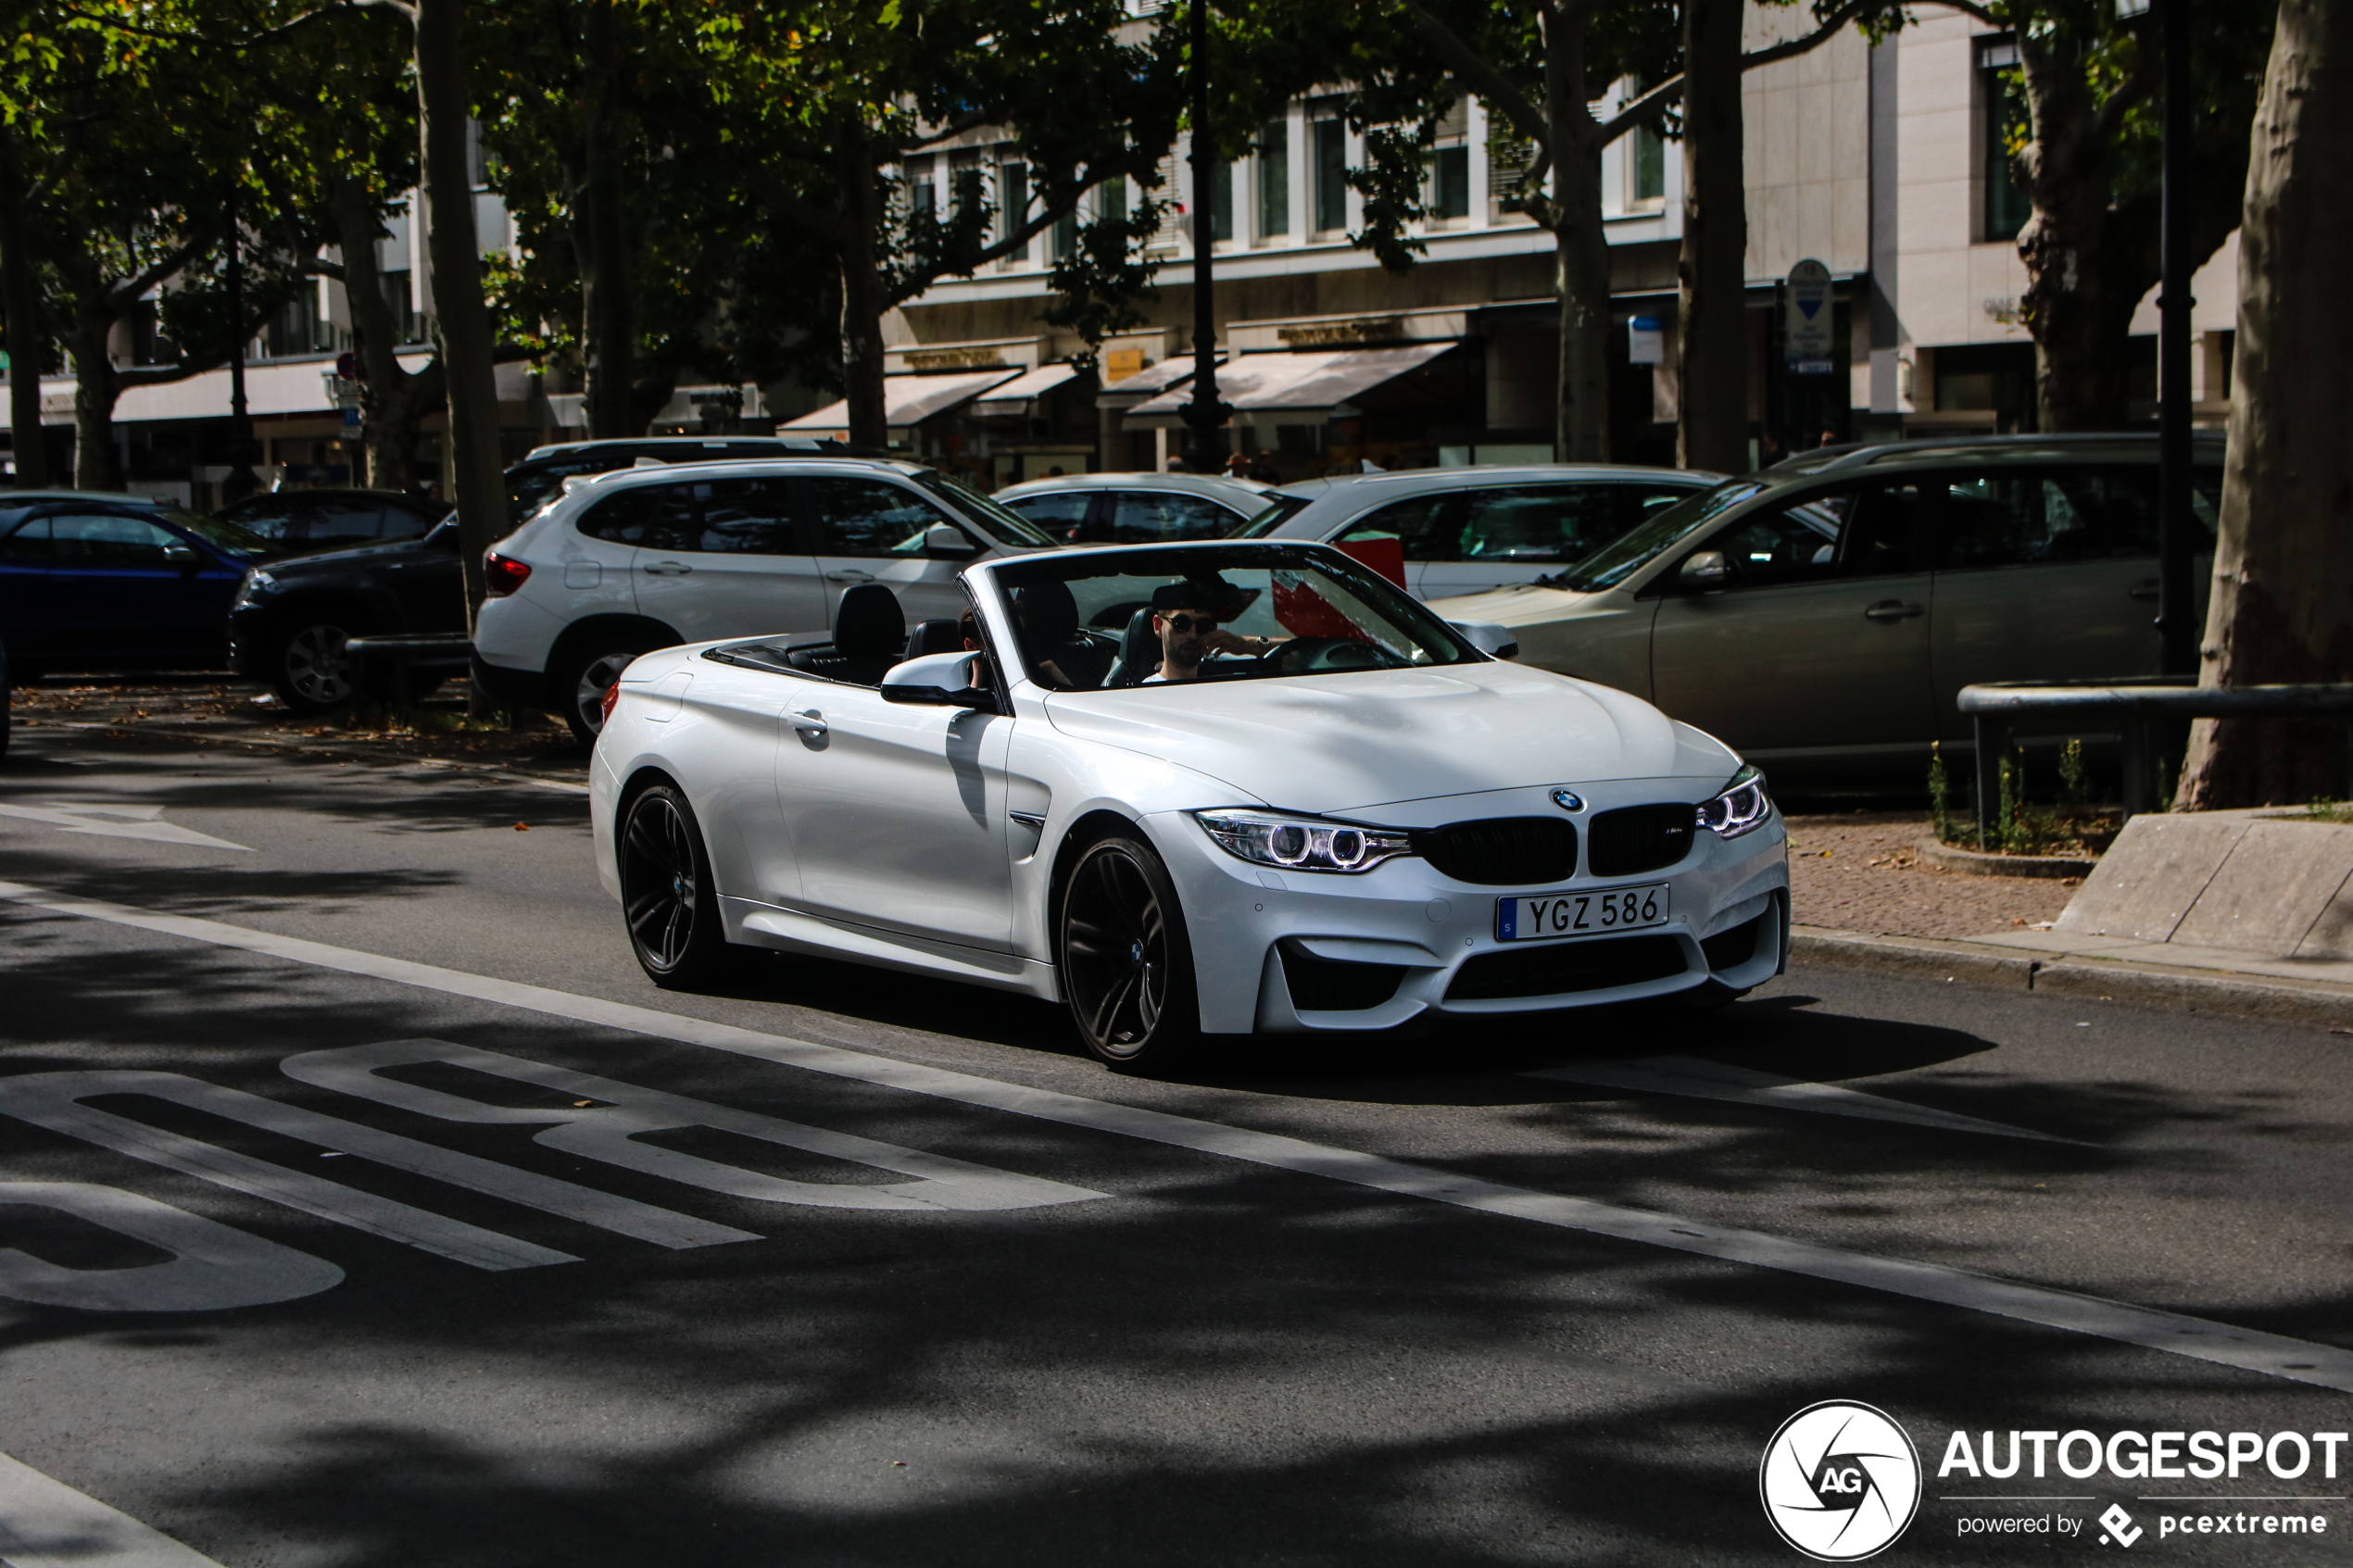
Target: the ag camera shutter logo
pixel 1840 1481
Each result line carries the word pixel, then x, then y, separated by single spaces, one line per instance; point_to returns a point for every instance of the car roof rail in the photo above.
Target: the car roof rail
pixel 1855 455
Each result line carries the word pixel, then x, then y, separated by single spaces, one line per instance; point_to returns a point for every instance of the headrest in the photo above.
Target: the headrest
pixel 935 636
pixel 870 621
pixel 1048 611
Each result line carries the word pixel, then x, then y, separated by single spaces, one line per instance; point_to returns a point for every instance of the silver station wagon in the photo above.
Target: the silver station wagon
pixel 1827 610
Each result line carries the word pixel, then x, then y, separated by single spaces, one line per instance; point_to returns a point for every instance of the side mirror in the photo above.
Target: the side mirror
pixel 1496 641
pixel 1705 570
pixel 947 539
pixel 184 556
pixel 938 680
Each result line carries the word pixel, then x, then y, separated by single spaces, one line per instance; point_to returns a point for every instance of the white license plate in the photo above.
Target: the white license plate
pixel 1581 914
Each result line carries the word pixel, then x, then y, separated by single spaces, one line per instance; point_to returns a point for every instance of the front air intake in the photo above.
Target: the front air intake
pixel 1639 838
pixel 1503 851
pixel 1559 969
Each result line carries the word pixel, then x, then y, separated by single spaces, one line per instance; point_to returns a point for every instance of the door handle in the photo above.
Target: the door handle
pixel 668 569
pixel 2143 590
pixel 1894 609
pixel 809 722
pixel 849 574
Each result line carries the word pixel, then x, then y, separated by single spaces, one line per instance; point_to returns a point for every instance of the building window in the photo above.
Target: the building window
pixel 1450 183
pixel 1332 175
pixel 1274 179
pixel 1012 201
pixel 1646 167
pixel 2002 111
pixel 1111 199
pixel 1220 205
pixel 921 195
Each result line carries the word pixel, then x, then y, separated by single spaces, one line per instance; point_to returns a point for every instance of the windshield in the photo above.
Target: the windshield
pixel 1619 559
pixel 1150 617
pixel 226 536
pixel 1007 527
pixel 1262 523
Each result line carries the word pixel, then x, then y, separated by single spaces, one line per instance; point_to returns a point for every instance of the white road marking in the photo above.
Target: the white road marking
pixel 1700 1079
pixel 213 1267
pixel 119 822
pixel 47 1524
pixel 2248 1350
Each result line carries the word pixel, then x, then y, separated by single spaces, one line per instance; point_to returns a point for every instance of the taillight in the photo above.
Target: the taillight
pixel 612 695
pixel 501 576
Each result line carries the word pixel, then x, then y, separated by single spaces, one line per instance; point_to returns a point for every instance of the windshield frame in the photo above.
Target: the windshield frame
pixel 1001 523
pixel 1376 592
pixel 1639 547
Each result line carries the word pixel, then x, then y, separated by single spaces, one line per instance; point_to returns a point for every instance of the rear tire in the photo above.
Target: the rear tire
pixel 579 684
pixel 1126 963
pixel 669 903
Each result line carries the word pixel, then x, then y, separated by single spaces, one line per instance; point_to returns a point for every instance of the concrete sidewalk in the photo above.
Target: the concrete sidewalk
pixel 2104 969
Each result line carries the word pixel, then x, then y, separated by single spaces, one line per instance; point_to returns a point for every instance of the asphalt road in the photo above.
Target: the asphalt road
pixel 435 1235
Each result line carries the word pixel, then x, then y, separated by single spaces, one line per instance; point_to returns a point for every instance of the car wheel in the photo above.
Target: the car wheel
pixel 667 899
pixel 1126 966
pixel 308 668
pixel 584 679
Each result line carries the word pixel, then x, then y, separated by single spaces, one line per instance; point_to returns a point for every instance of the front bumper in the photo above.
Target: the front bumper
pixel 1403 945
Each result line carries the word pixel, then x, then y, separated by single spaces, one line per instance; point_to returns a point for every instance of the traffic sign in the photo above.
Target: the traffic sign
pixel 347 366
pixel 1645 341
pixel 1808 317
pixel 351 419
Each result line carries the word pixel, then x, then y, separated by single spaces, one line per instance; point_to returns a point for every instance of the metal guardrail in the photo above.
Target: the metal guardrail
pixel 2139 703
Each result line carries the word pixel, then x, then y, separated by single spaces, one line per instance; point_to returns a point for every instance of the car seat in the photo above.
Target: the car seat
pixel 1140 651
pixel 1048 618
pixel 935 636
pixel 869 636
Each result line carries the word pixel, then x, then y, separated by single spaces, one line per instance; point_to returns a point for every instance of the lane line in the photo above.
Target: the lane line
pixel 47 1524
pixel 1696 1078
pixel 2151 1328
pixel 119 821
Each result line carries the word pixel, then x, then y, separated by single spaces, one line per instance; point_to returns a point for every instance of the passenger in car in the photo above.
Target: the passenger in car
pixel 1046 617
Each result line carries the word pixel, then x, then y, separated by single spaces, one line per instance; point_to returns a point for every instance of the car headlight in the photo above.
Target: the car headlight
pixel 1743 808
pixel 1301 844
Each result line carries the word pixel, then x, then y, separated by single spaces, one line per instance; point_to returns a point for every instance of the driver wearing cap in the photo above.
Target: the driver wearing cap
pixel 1186 617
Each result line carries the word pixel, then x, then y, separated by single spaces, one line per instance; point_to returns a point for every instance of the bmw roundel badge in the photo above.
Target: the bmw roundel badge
pixel 1569 800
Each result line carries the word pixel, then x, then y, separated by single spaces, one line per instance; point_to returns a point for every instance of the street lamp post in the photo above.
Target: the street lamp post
pixel 2178 631
pixel 1203 414
pixel 242 481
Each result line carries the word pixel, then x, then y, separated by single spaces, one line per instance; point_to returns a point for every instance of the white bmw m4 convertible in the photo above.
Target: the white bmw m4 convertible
pixel 1225 788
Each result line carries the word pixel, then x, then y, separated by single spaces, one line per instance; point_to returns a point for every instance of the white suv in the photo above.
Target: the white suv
pixel 641 559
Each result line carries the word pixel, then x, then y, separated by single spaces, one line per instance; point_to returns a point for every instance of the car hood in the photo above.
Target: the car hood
pixel 1345 743
pixel 1517 604
pixel 357 555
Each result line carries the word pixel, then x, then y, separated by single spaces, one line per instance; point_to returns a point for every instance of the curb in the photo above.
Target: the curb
pixel 505 773
pixel 1972 862
pixel 2145 985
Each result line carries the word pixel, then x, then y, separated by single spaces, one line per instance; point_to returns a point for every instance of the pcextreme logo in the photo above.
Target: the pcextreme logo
pixel 1840 1481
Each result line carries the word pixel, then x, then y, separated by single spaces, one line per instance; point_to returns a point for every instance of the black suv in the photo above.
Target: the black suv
pixel 292 617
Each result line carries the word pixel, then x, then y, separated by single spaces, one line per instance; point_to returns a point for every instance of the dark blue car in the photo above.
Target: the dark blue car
pixel 101 582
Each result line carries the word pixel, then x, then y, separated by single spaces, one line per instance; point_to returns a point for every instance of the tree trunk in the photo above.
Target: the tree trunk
pixel 861 290
pixel 2281 611
pixel 461 317
pixel 600 236
pixel 1581 251
pixel 1712 274
pixel 96 389
pixel 396 401
pixel 20 306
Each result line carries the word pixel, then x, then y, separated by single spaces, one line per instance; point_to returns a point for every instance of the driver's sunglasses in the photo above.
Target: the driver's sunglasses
pixel 1181 623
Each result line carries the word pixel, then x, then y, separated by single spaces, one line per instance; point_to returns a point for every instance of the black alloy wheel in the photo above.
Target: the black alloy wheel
pixel 667 896
pixel 308 667
pixel 1126 966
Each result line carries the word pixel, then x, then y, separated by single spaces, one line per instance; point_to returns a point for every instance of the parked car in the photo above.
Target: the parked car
pixel 4 689
pixel 326 520
pixel 289 624
pixel 1464 530
pixel 1353 821
pixel 642 559
pixel 1139 509
pixel 1996 559
pixel 95 581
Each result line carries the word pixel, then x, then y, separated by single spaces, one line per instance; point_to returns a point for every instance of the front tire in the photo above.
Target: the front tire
pixel 308 668
pixel 667 899
pixel 1127 964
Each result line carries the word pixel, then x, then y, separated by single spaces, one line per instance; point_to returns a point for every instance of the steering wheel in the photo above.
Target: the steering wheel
pixel 1303 655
